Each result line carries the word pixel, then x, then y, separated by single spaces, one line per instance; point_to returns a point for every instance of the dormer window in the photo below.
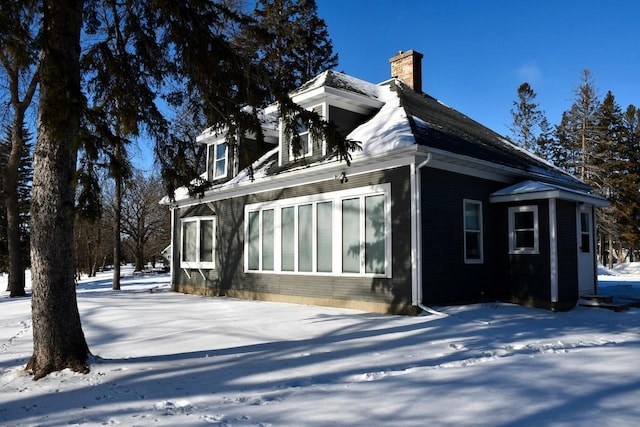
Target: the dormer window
pixel 218 160
pixel 306 145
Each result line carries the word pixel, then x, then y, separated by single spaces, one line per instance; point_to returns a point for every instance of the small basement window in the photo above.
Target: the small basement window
pixel 523 230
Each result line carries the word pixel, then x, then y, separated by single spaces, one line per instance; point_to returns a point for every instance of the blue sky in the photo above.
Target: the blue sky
pixel 477 53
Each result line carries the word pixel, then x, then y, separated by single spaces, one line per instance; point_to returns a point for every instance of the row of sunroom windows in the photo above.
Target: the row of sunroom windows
pixel 338 232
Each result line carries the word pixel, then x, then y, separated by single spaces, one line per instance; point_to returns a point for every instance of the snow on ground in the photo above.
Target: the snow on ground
pixel 169 359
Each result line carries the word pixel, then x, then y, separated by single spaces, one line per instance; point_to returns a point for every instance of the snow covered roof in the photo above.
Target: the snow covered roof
pixel 400 118
pixel 337 80
pixel 535 190
pixel 388 130
pixel 439 126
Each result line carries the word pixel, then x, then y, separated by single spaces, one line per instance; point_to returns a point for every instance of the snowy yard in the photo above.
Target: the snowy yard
pixel 169 359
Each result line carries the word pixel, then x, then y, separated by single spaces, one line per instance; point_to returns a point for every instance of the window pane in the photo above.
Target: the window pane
pixel 351 236
pixel 221 151
pixel 525 239
pixel 304 141
pixel 288 218
pixel 254 241
pixel 584 222
pixel 305 237
pixel 523 220
pixel 325 236
pixel 472 242
pixel 189 241
pixel 206 241
pixel 220 161
pixel 303 132
pixel 585 244
pixel 472 216
pixel 221 167
pixel 267 239
pixel 374 234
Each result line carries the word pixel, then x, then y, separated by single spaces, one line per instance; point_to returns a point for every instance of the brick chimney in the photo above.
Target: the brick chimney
pixel 407 66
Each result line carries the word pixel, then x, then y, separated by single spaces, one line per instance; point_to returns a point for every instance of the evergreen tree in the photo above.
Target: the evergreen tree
pixel 628 208
pixel 609 170
pixel 58 339
pixel 233 73
pixel 530 129
pixel 123 68
pixel 584 110
pixel 565 150
pixel 294 38
pixel 577 133
pixel 187 44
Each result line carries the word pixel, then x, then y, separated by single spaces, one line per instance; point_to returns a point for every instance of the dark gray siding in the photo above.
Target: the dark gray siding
pixel 445 276
pixel 528 276
pixel 229 276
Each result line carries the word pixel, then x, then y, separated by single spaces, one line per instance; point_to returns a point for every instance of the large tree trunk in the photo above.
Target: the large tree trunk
pixel 14 244
pixel 58 339
pixel 139 257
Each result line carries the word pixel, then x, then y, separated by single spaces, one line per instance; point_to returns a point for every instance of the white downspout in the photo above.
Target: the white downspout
pixel 416 239
pixel 173 246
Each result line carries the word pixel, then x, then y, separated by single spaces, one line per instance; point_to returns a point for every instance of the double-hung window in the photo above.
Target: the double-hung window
pixel 198 242
pixel 306 143
pixel 218 160
pixel 523 230
pixel 473 253
pixel 345 232
pixel 306 139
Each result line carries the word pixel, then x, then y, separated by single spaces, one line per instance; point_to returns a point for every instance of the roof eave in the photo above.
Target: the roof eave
pixel 559 194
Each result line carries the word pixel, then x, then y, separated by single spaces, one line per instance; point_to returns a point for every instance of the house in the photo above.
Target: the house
pixel 435 209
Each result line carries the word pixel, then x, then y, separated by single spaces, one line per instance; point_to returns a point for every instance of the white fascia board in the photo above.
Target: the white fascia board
pixel 209 135
pixel 304 176
pixel 347 97
pixel 552 194
pixel 355 98
pixel 359 103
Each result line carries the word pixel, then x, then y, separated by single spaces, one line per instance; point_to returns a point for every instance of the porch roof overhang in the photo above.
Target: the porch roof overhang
pixel 536 190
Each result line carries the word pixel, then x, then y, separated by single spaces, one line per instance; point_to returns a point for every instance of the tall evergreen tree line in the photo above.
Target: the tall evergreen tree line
pixel 597 141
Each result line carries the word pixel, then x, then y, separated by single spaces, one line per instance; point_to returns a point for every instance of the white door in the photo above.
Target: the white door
pixel 586 259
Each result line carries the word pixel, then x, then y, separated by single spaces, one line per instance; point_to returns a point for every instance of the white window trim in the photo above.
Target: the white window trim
pixel 212 163
pixel 336 199
pixel 479 260
pixel 198 264
pixel 512 232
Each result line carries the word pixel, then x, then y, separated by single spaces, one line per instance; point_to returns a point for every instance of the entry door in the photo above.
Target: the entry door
pixel 586 259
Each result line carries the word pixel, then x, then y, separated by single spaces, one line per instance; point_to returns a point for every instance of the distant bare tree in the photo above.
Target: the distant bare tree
pixel 19 62
pixel 144 221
